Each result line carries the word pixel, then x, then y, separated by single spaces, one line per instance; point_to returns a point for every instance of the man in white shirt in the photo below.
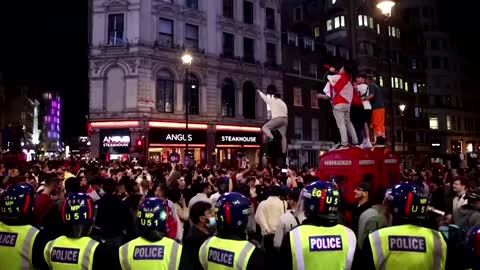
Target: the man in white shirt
pixel 267 217
pixel 289 220
pixel 201 196
pixel 279 119
pixel 460 188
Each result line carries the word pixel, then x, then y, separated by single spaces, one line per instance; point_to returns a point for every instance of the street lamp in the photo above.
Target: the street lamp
pixel 187 61
pixel 402 108
pixel 385 7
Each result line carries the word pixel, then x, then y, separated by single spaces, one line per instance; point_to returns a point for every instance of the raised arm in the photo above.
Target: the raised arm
pixel 264 97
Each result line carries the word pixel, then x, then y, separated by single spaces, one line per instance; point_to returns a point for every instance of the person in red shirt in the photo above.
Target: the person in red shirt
pixel 44 200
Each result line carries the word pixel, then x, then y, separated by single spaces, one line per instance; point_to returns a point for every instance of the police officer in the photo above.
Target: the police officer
pixel 152 250
pixel 473 248
pixel 407 244
pixel 21 244
pixel 229 250
pixel 75 249
pixel 320 242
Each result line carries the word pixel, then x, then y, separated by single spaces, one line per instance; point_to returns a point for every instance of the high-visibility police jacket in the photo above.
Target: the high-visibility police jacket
pixel 408 247
pixel 316 247
pixel 66 253
pixel 225 254
pixel 16 246
pixel 143 254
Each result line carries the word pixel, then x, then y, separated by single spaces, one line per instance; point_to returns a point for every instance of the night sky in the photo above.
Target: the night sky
pixel 45 43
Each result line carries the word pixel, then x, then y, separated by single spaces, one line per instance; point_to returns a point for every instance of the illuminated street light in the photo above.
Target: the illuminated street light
pixel 386 7
pixel 187 59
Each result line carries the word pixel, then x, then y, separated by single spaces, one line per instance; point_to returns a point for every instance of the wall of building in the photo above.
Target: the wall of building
pixel 130 68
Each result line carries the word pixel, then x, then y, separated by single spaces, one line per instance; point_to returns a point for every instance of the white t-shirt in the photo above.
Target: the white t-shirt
pixel 363 91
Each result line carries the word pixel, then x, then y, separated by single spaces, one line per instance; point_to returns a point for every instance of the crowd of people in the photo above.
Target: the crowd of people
pixel 123 193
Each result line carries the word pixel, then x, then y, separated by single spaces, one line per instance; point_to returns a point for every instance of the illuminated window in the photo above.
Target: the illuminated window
pixel 433 121
pixel 313 99
pixel 449 122
pixel 406 86
pixel 316 32
pixel 297 96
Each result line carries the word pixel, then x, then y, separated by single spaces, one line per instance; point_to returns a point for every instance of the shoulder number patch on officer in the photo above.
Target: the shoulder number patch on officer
pixel 407 243
pixel 325 243
pixel 65 255
pixel 221 256
pixel 8 239
pixel 148 252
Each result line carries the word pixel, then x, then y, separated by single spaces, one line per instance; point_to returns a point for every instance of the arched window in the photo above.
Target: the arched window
pixel 228 98
pixel 248 100
pixel 115 97
pixel 164 91
pixel 193 94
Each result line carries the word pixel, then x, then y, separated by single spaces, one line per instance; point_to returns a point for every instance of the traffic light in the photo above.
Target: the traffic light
pixel 139 145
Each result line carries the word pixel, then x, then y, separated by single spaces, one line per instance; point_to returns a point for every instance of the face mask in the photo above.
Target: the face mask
pixel 212 222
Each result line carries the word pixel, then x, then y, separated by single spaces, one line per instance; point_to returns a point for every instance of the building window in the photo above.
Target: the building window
pixel 165 35
pixel 248 100
pixel 248 50
pixel 400 83
pixel 297 96
pixel 192 4
pixel 228 8
pixel 366 48
pixel 313 99
pixel 270 18
pixel 309 44
pixel 380 80
pixel 316 32
pixel 333 2
pixel 413 63
pixel 164 91
pixel 335 23
pixel 228 45
pixel 297 67
pixel 393 32
pixel 228 98
pixel 433 121
pixel 193 94
pixel 365 21
pixel 313 71
pixel 329 25
pixel 415 88
pixel 406 86
pixel 297 123
pixel 191 36
pixel 115 87
pixel 115 29
pixel 297 14
pixel 449 122
pixel 247 12
pixel 445 63
pixel 271 54
pixel 292 39
pixel 436 62
pixel 315 130
pixel 418 112
pixel 378 29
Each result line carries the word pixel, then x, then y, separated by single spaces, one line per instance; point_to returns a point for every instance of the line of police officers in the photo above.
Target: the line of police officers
pixel 319 243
